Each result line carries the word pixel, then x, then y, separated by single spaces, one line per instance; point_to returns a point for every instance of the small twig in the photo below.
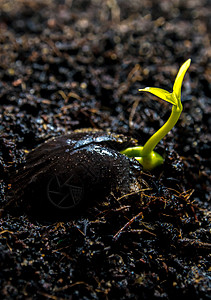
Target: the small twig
pixel 74 225
pixel 122 208
pixel 192 243
pixel 132 113
pixel 133 193
pixel 59 249
pixel 117 235
pixel 46 295
pixel 72 285
pixel 140 231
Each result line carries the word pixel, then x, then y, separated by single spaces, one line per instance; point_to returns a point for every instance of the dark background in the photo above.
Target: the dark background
pixel 66 65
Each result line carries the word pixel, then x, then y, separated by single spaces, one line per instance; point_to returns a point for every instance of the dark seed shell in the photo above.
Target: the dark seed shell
pixel 69 172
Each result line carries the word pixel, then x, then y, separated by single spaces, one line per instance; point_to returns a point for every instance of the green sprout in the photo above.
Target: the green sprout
pixel 148 158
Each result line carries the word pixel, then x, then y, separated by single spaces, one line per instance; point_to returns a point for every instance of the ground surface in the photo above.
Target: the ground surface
pixel 80 64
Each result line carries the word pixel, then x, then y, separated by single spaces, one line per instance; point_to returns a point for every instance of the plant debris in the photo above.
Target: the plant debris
pixel 69 65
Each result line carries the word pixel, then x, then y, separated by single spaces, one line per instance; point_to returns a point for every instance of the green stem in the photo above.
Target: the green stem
pixel 155 139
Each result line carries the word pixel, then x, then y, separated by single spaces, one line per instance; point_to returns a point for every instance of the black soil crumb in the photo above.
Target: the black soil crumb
pixel 68 65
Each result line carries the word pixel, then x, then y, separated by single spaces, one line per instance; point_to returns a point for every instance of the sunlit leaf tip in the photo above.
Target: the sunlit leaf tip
pixel 178 81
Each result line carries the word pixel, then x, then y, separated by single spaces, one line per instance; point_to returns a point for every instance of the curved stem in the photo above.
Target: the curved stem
pixel 155 139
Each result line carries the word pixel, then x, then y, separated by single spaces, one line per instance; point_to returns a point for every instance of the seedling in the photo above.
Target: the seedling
pixel 146 154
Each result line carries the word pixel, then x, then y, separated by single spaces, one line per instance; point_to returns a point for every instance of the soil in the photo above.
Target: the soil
pixel 68 65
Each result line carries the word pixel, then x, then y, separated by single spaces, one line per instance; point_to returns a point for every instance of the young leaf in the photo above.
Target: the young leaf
pixel 178 81
pixel 163 94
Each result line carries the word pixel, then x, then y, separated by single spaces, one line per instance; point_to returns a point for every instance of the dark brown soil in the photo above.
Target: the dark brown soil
pixel 67 65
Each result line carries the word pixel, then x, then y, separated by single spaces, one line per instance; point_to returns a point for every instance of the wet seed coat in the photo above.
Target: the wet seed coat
pixel 68 173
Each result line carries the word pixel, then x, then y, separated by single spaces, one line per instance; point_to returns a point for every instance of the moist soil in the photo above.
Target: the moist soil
pixel 68 65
